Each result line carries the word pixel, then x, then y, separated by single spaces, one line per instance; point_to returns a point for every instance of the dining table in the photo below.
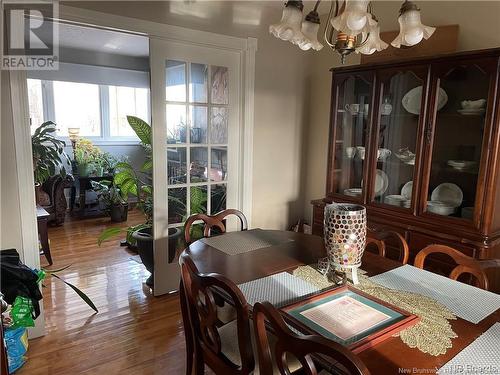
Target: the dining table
pixel 391 356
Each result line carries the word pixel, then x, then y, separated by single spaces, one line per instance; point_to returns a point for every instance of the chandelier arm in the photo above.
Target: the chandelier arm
pixel 329 27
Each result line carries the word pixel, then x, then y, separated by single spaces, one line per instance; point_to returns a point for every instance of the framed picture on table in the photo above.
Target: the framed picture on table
pixel 348 316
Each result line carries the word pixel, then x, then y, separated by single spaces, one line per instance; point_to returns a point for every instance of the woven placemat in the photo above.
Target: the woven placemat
pixel 432 335
pixel 480 357
pixel 235 243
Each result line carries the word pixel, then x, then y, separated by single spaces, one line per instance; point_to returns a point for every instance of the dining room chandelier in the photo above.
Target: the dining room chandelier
pixel 351 27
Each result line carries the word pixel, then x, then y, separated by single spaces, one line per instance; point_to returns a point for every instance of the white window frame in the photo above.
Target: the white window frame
pixel 105 139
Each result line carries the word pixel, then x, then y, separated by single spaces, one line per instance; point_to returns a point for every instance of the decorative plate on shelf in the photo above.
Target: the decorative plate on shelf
pixel 448 193
pixel 413 99
pixel 381 182
pixel 407 190
pixel 471 112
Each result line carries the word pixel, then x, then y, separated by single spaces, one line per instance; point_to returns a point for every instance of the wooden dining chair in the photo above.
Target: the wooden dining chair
pixel 213 221
pixel 465 264
pixel 376 238
pixel 225 349
pixel 300 347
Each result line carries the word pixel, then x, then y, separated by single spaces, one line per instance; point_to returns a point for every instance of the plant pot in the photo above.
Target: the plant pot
pixel 144 240
pixel 119 212
pixel 84 169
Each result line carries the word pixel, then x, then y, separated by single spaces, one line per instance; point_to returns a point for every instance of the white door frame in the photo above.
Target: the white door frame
pixel 246 47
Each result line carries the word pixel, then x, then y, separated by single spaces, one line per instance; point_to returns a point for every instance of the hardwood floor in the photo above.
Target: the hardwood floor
pixel 133 333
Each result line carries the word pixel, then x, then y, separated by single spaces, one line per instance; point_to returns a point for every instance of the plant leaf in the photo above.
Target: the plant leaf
pixel 82 295
pixel 147 166
pixel 107 234
pixel 141 128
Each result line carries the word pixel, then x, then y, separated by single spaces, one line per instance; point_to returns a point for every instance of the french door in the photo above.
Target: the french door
pixel 195 93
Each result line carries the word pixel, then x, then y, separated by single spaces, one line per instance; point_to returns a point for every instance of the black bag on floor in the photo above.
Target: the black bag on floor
pixel 17 279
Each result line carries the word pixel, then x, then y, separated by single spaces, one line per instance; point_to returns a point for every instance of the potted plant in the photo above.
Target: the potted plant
pixel 48 155
pixel 138 184
pixel 114 202
pixel 86 156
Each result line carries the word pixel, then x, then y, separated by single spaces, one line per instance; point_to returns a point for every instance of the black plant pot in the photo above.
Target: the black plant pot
pixel 119 212
pixel 144 241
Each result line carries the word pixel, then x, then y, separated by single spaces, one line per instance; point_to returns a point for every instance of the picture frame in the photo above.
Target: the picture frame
pixel 378 320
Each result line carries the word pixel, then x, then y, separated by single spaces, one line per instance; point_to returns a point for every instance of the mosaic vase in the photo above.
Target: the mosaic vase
pixel 345 236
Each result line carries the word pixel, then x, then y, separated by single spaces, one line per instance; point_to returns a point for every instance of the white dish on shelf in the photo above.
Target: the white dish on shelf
pixel 440 207
pixel 405 155
pixel 471 112
pixel 412 100
pixel 397 200
pixel 407 190
pixel 381 182
pixel 353 192
pixel 448 193
pixel 461 164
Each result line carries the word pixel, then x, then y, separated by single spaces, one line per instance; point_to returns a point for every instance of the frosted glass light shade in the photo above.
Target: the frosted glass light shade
pixel 411 29
pixel 310 36
pixel 374 43
pixel 353 19
pixel 289 26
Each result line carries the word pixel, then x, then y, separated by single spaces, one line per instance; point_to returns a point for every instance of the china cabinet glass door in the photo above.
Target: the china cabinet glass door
pixel 462 117
pixel 351 126
pixel 400 117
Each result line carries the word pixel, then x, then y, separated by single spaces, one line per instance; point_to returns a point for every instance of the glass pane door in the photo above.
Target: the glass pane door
pixel 351 135
pixel 398 123
pixel 196 138
pixel 458 140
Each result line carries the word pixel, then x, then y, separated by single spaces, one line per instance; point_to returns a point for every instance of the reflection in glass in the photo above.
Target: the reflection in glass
pixel 199 163
pixel 176 165
pixel 218 125
pixel 352 129
pixel 198 199
pixel 198 83
pixel 176 205
pixel 35 103
pixel 397 140
pixel 218 163
pixel 457 146
pixel 218 198
pixel 176 123
pixel 198 124
pixel 219 85
pixel 176 81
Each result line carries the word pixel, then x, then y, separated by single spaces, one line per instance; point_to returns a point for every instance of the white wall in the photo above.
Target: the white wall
pixel 479 23
pixel 280 93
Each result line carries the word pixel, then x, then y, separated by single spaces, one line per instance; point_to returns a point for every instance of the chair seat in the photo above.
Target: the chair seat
pixel 229 342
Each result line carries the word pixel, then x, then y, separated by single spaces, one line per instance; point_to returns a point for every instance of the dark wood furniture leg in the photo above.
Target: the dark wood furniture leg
pixel 82 190
pixel 188 333
pixel 44 238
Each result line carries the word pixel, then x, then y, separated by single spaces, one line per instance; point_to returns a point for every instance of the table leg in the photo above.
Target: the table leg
pixel 44 239
pixel 82 197
pixel 72 198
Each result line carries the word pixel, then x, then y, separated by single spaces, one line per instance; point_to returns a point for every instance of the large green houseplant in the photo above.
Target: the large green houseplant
pixel 48 153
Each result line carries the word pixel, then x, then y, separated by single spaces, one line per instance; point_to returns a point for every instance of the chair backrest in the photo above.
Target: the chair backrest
pixel 378 237
pixel 203 320
pixel 213 221
pixel 465 264
pixel 301 347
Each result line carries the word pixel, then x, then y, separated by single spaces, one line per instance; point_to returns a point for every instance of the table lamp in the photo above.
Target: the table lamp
pixel 345 236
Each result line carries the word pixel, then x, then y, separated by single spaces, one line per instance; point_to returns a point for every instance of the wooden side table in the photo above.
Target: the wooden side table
pixel 42 217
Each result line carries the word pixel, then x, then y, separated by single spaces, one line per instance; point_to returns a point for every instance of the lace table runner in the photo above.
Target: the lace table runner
pixel 432 334
pixel 235 243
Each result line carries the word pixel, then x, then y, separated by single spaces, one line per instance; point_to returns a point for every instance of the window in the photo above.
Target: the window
pixel 100 111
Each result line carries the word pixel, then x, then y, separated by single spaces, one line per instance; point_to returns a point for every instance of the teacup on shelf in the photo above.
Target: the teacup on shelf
pixel 350 152
pixel 383 154
pixel 361 152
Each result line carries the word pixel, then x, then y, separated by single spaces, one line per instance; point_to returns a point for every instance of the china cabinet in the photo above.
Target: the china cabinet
pixel 417 142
